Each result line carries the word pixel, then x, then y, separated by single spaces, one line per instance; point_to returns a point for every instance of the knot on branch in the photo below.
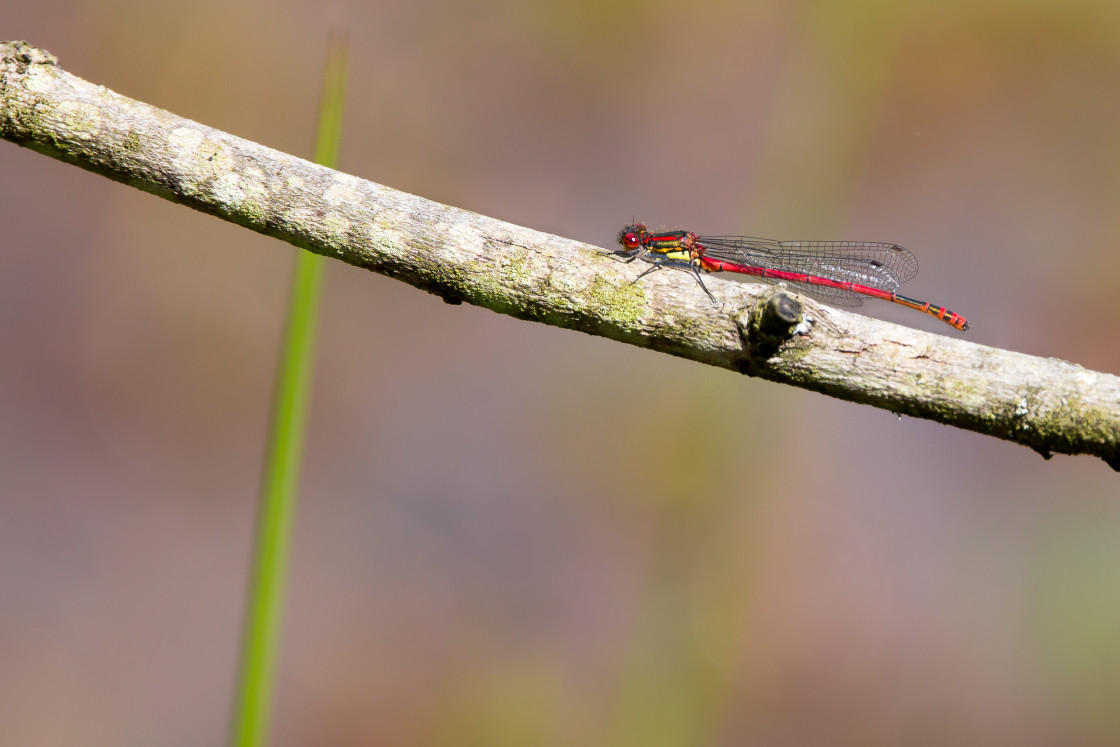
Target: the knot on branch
pixel 772 321
pixel 24 55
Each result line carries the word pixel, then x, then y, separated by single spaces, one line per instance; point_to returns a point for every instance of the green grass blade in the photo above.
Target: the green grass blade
pixel 265 602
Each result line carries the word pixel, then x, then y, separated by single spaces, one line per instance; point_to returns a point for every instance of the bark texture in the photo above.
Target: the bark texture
pixel 1050 405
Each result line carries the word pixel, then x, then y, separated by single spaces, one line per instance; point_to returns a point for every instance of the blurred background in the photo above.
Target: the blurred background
pixel 511 534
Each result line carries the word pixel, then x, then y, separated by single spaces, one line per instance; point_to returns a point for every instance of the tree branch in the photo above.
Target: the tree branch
pixel 1046 404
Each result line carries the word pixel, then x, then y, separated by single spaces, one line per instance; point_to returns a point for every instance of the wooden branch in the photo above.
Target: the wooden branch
pixel 1046 404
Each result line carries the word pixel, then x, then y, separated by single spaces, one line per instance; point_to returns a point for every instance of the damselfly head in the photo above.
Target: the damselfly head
pixel 631 236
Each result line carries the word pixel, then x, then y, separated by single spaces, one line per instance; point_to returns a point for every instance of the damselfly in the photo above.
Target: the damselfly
pixel 840 273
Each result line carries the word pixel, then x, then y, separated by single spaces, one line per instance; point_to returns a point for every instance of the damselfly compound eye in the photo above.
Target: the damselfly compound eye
pixel 629 240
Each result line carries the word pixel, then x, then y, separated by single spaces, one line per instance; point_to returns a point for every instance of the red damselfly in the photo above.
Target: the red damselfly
pixel 840 273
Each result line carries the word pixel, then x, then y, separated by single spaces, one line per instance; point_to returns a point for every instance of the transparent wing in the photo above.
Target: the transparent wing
pixel 875 264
